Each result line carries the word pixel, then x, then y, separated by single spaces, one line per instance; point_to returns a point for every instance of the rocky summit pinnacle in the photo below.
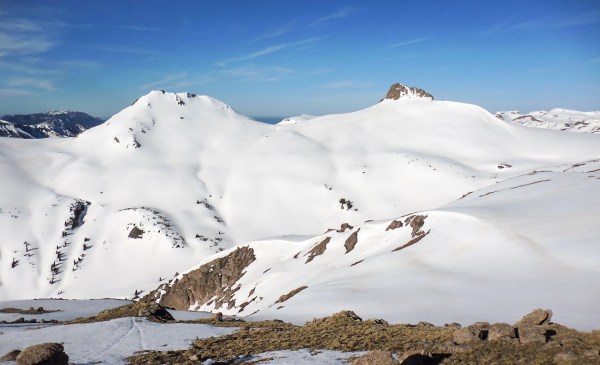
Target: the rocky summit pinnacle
pixel 399 91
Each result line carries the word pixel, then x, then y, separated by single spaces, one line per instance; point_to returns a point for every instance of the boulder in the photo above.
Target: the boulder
pixel 43 354
pixel 471 334
pixel 532 333
pixel 501 331
pixel 376 357
pixel 537 317
pixel 156 312
pixel 532 327
pixel 10 356
pixel 217 316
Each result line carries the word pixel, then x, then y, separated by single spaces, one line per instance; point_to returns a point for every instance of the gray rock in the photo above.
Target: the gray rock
pixel 537 317
pixel 471 334
pixel 532 333
pixel 43 354
pixel 10 356
pixel 155 311
pixel 501 331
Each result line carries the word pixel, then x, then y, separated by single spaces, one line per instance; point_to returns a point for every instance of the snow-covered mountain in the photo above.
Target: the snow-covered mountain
pixel 559 119
pixel 51 124
pixel 491 254
pixel 175 179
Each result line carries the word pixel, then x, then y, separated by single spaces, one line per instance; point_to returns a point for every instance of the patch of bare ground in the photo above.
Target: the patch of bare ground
pixel 412 344
pixel 39 310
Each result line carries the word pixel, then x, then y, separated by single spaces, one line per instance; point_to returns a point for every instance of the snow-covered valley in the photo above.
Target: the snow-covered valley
pixel 505 214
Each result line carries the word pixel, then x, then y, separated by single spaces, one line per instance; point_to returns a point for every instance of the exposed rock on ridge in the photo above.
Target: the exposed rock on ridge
pixel 211 283
pixel 399 91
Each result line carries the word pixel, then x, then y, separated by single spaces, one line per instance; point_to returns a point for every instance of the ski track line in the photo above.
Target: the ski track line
pixel 131 329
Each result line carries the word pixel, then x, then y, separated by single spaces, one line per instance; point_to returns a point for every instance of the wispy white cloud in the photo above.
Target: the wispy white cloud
pixel 343 84
pixel 253 55
pixel 544 23
pixel 554 23
pixel 23 37
pixel 267 51
pixel 7 93
pixel 274 33
pixel 124 49
pixel 43 84
pixel 340 13
pixel 137 28
pixel 259 74
pixel 19 25
pixel 79 65
pixel 406 43
pixel 179 80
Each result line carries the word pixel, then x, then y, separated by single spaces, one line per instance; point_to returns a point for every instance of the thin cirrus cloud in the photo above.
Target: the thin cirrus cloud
pixel 340 13
pixel 267 51
pixel 124 49
pixel 274 33
pixel 343 84
pixel 259 74
pixel 545 23
pixel 42 84
pixel 179 80
pixel 137 28
pixel 22 37
pixel 407 43
pixel 552 23
pixel 8 92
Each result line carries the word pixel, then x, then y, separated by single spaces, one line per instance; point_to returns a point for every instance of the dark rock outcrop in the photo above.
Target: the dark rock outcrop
pixel 155 311
pixel 43 354
pixel 287 296
pixel 399 91
pixel 395 224
pixel 136 233
pixel 215 279
pixel 351 241
pixel 318 250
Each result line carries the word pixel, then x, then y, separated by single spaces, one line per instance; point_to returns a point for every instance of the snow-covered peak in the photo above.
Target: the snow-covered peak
pixel 557 118
pixel 399 91
pixel 297 119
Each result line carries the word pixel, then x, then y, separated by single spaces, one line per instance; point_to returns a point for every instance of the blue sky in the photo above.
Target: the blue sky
pixel 282 58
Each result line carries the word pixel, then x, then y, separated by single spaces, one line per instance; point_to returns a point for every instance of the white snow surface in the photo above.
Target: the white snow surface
pixel 198 179
pixel 559 119
pixel 109 342
pixel 527 242
pixel 297 119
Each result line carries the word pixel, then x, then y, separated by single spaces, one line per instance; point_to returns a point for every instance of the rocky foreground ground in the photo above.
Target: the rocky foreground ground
pixel 535 339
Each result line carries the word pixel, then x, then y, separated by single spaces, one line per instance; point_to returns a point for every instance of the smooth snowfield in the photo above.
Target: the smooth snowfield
pixel 109 342
pixel 195 178
pixel 527 242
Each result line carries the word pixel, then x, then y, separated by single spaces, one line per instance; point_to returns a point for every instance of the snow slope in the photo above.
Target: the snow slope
pixel 176 178
pixel 527 242
pixel 559 119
